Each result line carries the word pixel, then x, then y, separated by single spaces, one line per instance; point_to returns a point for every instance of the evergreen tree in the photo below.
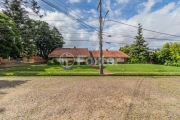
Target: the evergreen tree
pixel 16 10
pixel 139 50
pixel 10 44
pixel 36 36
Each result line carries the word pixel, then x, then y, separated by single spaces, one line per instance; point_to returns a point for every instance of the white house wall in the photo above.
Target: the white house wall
pixel 120 60
pixel 108 60
pixel 79 60
pixel 75 59
pixel 96 60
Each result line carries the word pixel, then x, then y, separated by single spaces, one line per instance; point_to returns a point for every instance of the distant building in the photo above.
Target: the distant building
pixel 110 56
pixel 83 55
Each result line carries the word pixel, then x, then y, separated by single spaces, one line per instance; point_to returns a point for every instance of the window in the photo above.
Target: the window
pixel 120 60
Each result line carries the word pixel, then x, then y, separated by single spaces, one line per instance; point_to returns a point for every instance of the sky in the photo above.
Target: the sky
pixel 78 21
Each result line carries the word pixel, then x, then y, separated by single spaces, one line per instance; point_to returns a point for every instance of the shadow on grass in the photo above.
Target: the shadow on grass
pixel 9 84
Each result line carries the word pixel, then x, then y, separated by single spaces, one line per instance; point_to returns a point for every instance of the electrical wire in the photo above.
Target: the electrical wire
pixel 143 28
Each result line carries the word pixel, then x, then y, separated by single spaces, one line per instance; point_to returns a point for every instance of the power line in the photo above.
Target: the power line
pixel 122 35
pixel 144 28
pixel 70 16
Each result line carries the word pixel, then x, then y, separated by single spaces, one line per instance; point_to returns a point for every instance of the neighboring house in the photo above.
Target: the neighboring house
pixel 70 54
pixel 110 56
pixel 83 55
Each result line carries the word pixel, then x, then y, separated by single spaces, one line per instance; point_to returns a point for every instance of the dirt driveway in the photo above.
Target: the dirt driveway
pixel 90 98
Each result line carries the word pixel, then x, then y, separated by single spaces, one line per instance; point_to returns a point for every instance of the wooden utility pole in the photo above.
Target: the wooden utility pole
pixel 100 38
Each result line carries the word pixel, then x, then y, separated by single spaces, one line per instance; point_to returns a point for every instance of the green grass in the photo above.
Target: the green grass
pixel 119 70
pixel 141 68
pixel 45 70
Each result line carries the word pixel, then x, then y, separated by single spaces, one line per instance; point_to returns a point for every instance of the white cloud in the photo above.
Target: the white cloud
pixel 147 6
pixel 68 27
pixel 165 19
pixel 122 1
pixel 74 1
pixel 1 8
pixel 117 12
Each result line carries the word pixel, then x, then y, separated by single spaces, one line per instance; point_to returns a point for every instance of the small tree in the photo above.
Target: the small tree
pixel 126 49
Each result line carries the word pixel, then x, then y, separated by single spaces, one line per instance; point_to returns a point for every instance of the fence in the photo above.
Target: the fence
pixel 23 60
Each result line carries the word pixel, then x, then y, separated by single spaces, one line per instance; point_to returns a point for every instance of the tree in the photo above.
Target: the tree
pixel 10 44
pixel 28 35
pixel 175 51
pixel 16 10
pixel 47 40
pixel 139 48
pixel 126 49
pixel 169 53
pixel 164 54
pixel 36 36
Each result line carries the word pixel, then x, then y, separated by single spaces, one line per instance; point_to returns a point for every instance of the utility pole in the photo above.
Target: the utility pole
pixel 100 37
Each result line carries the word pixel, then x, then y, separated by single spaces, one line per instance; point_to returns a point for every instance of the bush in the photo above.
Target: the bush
pixel 134 60
pixel 75 63
pixel 171 63
pixel 167 63
pixel 50 62
pixel 83 63
pixel 56 62
pixel 178 62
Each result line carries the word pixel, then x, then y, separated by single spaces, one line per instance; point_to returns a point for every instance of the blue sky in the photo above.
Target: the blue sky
pixel 157 15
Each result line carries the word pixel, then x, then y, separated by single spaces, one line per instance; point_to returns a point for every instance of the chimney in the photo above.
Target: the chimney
pixel 74 47
pixel 106 49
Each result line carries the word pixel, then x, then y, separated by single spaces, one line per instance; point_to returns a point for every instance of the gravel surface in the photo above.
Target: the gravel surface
pixel 89 98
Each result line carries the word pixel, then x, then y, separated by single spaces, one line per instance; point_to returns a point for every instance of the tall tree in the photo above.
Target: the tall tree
pixel 28 35
pixel 16 10
pixel 47 40
pixel 10 44
pixel 139 48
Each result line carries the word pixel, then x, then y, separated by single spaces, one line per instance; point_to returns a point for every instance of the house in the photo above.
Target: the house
pixel 70 54
pixel 110 56
pixel 83 55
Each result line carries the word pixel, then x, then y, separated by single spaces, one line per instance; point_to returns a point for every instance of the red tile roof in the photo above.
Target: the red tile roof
pixel 109 53
pixel 83 52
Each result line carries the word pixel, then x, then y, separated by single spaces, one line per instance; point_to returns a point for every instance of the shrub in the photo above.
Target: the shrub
pixel 171 63
pixel 166 63
pixel 53 62
pixel 50 62
pixel 134 60
pixel 75 63
pixel 56 62
pixel 83 63
pixel 178 62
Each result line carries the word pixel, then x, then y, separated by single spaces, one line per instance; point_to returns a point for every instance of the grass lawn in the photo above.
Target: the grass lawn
pixel 47 70
pixel 144 69
pixel 122 69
